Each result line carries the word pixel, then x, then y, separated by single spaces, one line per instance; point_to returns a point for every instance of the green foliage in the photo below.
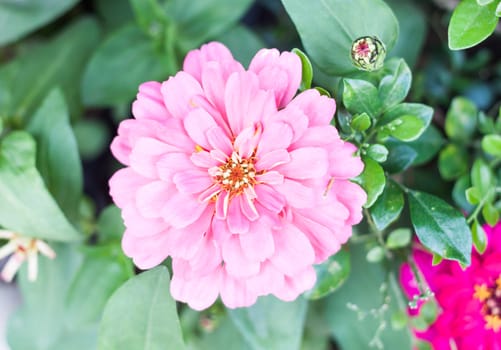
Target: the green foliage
pixel 360 96
pixel 151 321
pixel 307 70
pixel 388 206
pixel 340 25
pixel 461 120
pixel 372 180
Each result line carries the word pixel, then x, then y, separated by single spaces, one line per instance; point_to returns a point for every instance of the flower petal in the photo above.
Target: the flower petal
pixel 236 262
pixel 192 181
pixel 320 109
pixel 196 124
pixel 305 163
pixel 145 155
pixel 296 194
pixel 237 221
pixel 149 103
pixel 151 198
pixel 181 209
pixel 270 198
pixel 123 186
pixel 273 159
pixel 258 244
pixel 178 93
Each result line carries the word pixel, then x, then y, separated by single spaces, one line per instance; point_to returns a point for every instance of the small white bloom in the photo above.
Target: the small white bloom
pixel 22 248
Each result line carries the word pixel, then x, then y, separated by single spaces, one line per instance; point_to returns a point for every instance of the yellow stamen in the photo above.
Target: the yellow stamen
pixel 482 293
pixel 198 148
pixel 493 322
pixel 498 282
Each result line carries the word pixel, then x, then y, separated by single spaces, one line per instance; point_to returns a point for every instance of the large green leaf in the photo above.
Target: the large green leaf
pixel 26 206
pixel 440 227
pixel 328 28
pixel 57 63
pixel 18 18
pixel 388 206
pixel 272 323
pixel 471 23
pixel 372 180
pixel 126 59
pixel 394 87
pixel 360 96
pixel 142 315
pixel 355 329
pixel 57 153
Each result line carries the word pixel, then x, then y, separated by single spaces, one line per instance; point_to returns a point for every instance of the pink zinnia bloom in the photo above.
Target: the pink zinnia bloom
pixel 470 299
pixel 244 185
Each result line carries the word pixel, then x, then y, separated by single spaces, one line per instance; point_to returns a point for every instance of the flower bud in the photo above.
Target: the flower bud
pixel 368 53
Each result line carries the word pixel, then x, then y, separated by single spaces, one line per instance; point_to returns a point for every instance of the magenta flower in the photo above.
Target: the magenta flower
pixel 470 299
pixel 244 185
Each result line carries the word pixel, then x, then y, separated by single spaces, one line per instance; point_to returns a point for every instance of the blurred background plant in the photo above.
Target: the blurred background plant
pixel 427 125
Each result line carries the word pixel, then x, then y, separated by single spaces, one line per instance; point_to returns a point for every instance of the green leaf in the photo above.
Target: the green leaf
pixel 375 254
pixel 62 58
pixel 203 20
pixel 331 275
pixel 459 193
pixel 400 157
pixel 242 42
pixel 104 82
pixel 263 327
pixel 361 122
pixel 225 336
pixel 360 96
pixel 113 14
pixel 388 206
pixel 482 177
pixel 452 162
pixel 498 10
pixel 92 137
pixel 378 152
pixel 461 119
pixel 19 18
pixel 490 214
pixel 372 180
pixel 26 206
pixel 479 237
pixel 470 24
pixel 421 111
pixel 440 227
pixel 491 144
pixel 110 224
pixel 394 87
pixel 473 195
pixel 399 320
pixel 57 154
pixel 150 16
pixel 406 127
pixel 307 70
pixel 337 24
pixel 398 238
pixel 484 2
pixel 354 327
pixel 151 321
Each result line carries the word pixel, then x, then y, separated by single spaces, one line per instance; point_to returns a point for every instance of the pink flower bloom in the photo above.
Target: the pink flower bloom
pixel 244 185
pixel 470 300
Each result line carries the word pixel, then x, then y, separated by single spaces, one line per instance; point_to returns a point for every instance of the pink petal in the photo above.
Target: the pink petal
pixel 206 259
pixel 192 181
pixel 237 221
pixel 146 251
pixel 123 186
pixel 319 109
pixel 234 292
pixel 258 244
pixel 293 251
pixel 236 262
pixel 213 82
pixel 351 164
pixel 245 104
pixel 203 159
pixel 307 162
pixel 181 209
pixel 273 159
pixel 196 124
pixel 218 139
pixel 145 155
pixel 275 136
pixel 270 198
pixel 280 73
pixel 319 136
pixel 172 163
pixel 296 194
pixel 352 196
pixel 149 103
pixel 297 284
pixel 246 142
pixel 151 198
pixel 139 226
pixel 295 118
pixel 178 93
pixel 248 208
pixel 271 178
pixel 267 281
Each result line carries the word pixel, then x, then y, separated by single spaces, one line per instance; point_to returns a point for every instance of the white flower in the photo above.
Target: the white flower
pixel 22 248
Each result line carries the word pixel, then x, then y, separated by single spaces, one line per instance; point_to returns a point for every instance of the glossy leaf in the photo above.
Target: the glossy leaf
pixel 400 157
pixel 151 321
pixel 461 119
pixel 57 154
pixel 372 180
pixel 307 70
pixel 452 162
pixel 399 238
pixel 406 127
pixel 104 82
pixel 490 214
pixel 440 227
pixel 340 23
pixel 482 177
pixel 421 111
pixel 331 274
pixel 361 122
pixel 388 206
pixel 26 206
pixel 19 18
pixel 471 24
pixel 459 193
pixel 491 144
pixel 378 152
pixel 360 96
pixel 479 237
pixel 394 87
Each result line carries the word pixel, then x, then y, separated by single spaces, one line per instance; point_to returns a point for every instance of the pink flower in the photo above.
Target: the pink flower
pixel 244 185
pixel 470 300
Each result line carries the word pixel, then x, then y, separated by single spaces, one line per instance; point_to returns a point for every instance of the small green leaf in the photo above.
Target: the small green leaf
pixel 372 180
pixel 470 24
pixel 394 87
pixel 485 123
pixel 361 122
pixel 110 224
pixel 423 112
pixel 399 238
pixel 491 144
pixel 459 193
pixel 360 96
pixel 484 2
pixel 323 91
pixel 479 237
pixel 331 274
pixel 452 162
pixel 150 16
pixel 437 259
pixel 490 214
pixel 406 127
pixel 498 10
pixel 473 195
pixel 388 206
pixel 151 321
pixel 307 70
pixel 482 177
pixel 440 227
pixel 461 120
pixel 375 254
pixel 378 152
pixel 400 157
pixel 399 320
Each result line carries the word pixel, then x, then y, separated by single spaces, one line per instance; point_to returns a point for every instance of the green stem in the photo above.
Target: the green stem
pixel 480 205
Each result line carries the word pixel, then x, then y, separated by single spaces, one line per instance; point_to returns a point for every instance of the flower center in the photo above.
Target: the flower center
pixel 236 174
pixel 490 296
